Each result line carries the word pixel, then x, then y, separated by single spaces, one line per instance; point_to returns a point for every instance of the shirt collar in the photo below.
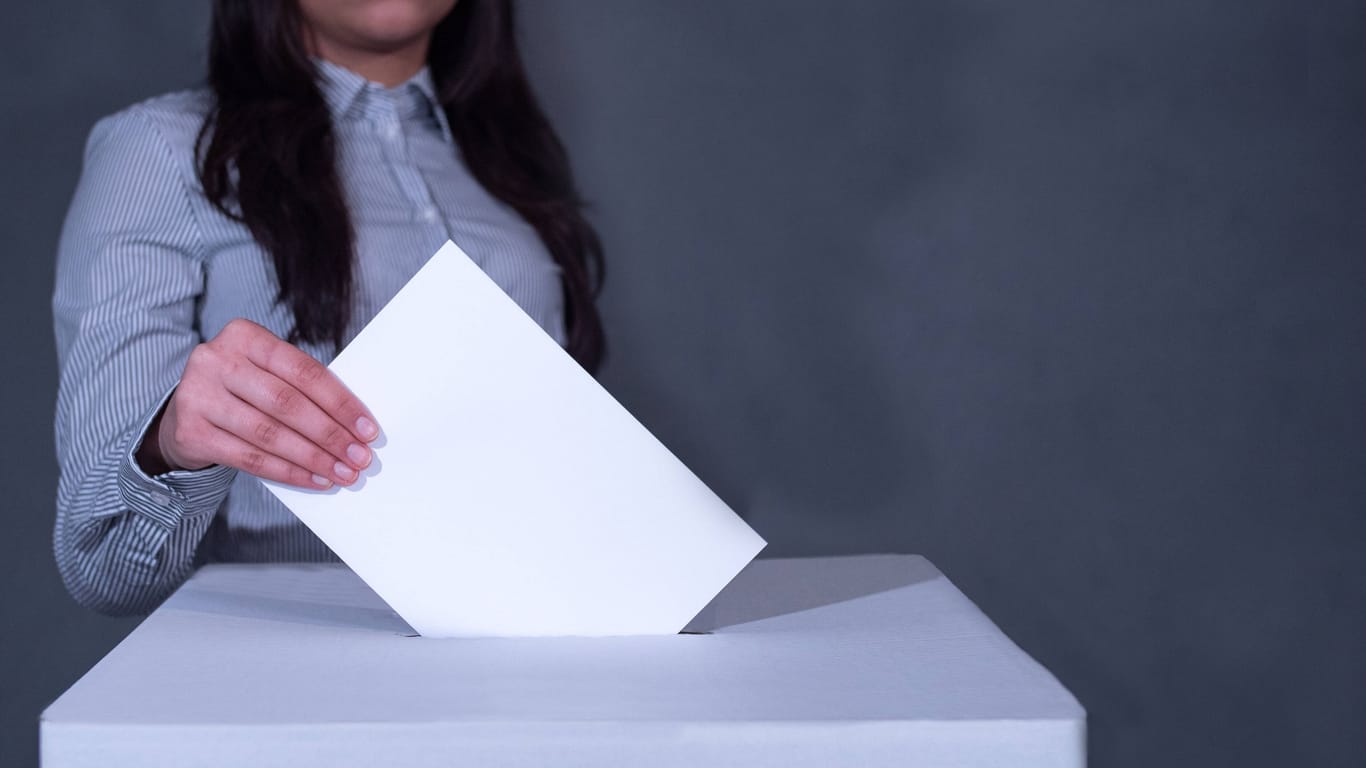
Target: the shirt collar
pixel 350 96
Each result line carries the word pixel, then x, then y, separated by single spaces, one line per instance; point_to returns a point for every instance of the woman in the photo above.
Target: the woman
pixel 222 243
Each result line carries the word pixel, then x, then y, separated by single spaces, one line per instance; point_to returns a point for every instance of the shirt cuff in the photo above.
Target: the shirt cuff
pixel 169 497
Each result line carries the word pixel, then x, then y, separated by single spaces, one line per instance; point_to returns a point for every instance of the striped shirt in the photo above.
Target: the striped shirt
pixel 147 268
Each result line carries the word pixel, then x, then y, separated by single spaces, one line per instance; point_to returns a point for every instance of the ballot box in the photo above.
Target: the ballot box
pixel 869 661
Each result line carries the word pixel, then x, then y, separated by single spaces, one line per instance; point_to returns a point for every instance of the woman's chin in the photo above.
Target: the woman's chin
pixel 378 25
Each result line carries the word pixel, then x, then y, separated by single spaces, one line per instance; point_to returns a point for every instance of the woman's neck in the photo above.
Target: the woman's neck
pixel 388 67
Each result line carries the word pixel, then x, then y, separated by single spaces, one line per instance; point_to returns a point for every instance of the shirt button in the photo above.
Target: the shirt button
pixel 389 130
pixel 160 499
pixel 428 214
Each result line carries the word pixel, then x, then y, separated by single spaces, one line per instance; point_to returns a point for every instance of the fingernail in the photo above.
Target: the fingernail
pixel 366 428
pixel 346 473
pixel 358 454
pixel 321 481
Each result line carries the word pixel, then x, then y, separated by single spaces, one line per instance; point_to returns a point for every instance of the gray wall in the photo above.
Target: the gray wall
pixel 1067 298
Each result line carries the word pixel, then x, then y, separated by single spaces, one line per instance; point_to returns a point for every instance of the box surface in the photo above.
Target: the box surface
pixel 870 660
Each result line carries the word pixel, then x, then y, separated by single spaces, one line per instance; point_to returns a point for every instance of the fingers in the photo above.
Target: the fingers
pixel 295 368
pixel 271 438
pixel 233 451
pixel 283 403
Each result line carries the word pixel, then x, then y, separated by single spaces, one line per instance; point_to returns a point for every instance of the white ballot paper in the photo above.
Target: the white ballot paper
pixel 510 493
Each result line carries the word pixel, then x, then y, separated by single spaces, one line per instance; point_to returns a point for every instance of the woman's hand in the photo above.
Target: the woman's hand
pixel 254 402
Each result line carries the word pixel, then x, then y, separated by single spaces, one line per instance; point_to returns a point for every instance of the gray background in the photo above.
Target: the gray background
pixel 1066 297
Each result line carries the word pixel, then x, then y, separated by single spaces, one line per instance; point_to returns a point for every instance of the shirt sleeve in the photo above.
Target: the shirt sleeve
pixel 129 274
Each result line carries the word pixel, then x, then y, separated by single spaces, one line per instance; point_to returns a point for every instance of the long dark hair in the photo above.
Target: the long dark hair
pixel 267 156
